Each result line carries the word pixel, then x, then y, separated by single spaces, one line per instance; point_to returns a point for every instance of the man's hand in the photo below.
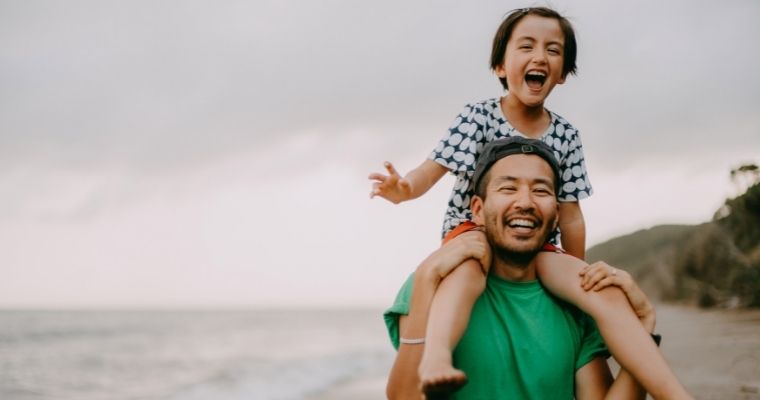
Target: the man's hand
pixel 599 275
pixel 391 187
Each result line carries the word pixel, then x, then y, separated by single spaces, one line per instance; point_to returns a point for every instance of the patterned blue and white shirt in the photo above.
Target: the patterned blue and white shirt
pixel 480 123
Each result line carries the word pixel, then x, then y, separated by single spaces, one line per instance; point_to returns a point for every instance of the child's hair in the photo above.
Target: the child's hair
pixel 508 25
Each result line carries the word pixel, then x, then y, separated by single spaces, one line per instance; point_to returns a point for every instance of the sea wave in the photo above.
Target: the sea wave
pixel 294 379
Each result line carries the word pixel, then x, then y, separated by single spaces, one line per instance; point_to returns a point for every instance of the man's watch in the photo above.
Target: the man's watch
pixel 657 338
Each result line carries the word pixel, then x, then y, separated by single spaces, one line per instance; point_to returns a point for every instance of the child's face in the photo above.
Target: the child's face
pixel 533 60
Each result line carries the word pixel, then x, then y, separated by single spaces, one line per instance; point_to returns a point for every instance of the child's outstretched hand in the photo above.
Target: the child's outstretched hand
pixel 391 187
pixel 599 275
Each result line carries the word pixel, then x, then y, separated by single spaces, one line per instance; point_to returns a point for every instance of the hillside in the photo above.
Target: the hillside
pixel 716 263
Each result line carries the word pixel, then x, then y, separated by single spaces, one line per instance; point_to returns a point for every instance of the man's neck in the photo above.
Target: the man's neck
pixel 515 268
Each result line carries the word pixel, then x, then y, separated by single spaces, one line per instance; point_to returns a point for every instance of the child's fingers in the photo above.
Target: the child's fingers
pixel 390 168
pixel 377 177
pixel 375 190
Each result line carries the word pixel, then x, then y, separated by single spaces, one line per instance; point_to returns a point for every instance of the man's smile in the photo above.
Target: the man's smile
pixel 523 224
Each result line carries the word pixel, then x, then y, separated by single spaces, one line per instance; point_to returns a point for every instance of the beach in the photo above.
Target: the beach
pixel 715 353
pixel 293 354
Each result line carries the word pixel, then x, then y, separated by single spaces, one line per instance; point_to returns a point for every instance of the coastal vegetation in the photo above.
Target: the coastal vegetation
pixel 716 263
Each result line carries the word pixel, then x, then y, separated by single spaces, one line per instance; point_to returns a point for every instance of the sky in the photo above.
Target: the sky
pixel 204 154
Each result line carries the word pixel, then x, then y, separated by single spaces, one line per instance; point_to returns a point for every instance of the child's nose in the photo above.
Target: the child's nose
pixel 539 57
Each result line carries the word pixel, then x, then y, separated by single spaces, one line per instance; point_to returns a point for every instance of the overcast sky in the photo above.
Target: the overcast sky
pixel 215 153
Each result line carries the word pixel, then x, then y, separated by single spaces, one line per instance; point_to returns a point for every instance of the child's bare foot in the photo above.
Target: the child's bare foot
pixel 439 378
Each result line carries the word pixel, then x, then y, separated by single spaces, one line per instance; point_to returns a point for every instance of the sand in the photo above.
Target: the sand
pixel 716 354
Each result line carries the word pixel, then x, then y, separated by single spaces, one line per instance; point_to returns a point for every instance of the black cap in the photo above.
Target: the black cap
pixel 500 148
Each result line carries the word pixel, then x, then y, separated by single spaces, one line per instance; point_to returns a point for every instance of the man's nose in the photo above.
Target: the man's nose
pixel 523 200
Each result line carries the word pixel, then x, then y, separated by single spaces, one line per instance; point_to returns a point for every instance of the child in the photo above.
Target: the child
pixel 534 50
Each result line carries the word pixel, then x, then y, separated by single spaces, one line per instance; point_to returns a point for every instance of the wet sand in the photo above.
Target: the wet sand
pixel 716 354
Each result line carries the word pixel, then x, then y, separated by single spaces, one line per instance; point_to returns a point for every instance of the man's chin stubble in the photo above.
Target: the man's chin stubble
pixel 519 259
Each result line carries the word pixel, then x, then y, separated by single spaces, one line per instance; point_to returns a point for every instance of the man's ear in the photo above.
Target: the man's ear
pixel 476 205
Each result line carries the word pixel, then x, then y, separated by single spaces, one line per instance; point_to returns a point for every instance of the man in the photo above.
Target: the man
pixel 521 342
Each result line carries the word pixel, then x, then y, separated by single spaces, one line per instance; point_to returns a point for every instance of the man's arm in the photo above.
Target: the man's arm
pixel 594 381
pixel 403 380
pixel 572 228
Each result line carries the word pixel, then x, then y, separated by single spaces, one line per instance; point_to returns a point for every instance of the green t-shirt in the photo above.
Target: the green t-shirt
pixel 521 342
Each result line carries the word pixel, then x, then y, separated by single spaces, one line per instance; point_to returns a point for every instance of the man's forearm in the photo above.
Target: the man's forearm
pixel 625 387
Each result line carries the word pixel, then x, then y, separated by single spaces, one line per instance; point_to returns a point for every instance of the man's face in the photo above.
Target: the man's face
pixel 520 210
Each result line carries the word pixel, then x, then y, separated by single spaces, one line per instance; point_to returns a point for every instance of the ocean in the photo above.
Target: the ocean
pixel 187 355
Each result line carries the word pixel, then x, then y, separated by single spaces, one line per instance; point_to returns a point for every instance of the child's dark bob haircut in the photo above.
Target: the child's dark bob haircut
pixel 508 25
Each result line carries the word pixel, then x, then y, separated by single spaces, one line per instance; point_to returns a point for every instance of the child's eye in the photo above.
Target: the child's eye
pixel 555 51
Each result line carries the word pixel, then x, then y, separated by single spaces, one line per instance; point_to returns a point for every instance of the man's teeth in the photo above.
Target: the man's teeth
pixel 522 223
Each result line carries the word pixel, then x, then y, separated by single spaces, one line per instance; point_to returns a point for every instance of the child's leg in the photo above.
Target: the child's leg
pixel 621 329
pixel 448 318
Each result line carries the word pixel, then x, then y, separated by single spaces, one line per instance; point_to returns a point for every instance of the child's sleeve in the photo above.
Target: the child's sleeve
pixel 574 184
pixel 459 147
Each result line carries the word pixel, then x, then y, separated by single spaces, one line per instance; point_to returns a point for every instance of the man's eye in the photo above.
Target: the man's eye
pixel 507 189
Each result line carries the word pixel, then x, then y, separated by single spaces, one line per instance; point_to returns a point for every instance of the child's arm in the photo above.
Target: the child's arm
pixel 396 189
pixel 403 379
pixel 626 336
pixel 572 227
pixel 598 276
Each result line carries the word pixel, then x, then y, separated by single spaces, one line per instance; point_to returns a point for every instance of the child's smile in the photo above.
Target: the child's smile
pixel 535 79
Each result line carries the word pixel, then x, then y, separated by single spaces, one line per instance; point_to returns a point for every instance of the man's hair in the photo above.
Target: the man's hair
pixel 504 33
pixel 505 147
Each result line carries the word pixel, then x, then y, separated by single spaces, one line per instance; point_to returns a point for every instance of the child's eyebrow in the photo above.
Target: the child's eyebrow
pixel 529 38
pixel 533 40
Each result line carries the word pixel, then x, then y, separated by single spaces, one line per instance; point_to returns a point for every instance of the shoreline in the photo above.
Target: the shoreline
pixel 715 354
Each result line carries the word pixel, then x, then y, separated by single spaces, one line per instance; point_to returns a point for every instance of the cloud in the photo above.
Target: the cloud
pixel 153 138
